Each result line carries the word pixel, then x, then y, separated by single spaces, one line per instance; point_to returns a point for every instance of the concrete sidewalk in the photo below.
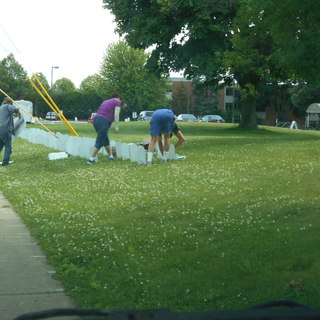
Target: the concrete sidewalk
pixel 26 283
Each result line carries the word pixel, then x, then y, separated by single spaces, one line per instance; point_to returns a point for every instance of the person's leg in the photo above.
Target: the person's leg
pixel 94 152
pixel 109 151
pixel 167 126
pixel 106 142
pixel 8 149
pixel 166 142
pixel 153 141
pixel 166 146
pixel 155 131
pixel 99 126
pixel 2 142
pixel 160 143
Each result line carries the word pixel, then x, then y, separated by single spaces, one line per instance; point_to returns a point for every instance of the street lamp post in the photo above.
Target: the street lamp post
pixel 56 67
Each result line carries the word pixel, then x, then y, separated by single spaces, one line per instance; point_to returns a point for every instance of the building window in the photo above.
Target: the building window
pixel 229 106
pixel 229 91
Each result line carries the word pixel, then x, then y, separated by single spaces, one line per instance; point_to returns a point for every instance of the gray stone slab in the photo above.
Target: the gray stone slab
pixel 141 155
pixel 118 150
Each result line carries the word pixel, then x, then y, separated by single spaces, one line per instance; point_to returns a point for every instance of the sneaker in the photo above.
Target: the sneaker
pixel 6 163
pixel 111 158
pixel 149 163
pixel 163 161
pixel 89 161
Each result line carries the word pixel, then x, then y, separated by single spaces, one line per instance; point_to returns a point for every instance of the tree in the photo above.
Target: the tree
pixel 91 83
pixel 123 70
pixel 64 85
pixel 274 42
pixel 77 103
pixel 277 96
pixel 189 35
pixel 242 39
pixel 294 28
pixel 205 97
pixel 13 79
pixel 303 95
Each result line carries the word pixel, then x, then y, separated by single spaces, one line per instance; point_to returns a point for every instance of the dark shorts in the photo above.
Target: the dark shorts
pixel 175 130
pixel 162 121
pixel 102 126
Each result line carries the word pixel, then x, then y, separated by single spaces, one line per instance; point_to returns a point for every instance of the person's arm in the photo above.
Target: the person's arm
pixel 181 139
pixel 15 110
pixel 116 118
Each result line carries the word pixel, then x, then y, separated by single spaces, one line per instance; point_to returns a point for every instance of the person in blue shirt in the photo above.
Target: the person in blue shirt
pixel 162 122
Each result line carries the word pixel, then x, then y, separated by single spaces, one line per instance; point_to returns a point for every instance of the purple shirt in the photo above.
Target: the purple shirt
pixel 107 108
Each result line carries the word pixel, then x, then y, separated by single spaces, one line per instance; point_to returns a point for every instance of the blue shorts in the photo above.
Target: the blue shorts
pixel 102 126
pixel 161 121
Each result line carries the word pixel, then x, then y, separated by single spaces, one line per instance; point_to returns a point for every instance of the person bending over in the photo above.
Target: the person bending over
pixel 107 113
pixel 161 122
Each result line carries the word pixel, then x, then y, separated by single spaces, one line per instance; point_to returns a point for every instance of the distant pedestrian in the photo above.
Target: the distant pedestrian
pixel 161 123
pixel 107 113
pixel 7 110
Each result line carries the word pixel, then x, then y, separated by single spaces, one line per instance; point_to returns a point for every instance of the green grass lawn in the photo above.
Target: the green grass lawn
pixel 233 225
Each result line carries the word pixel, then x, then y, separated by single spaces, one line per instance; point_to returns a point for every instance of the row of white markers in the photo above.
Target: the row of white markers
pixel 82 146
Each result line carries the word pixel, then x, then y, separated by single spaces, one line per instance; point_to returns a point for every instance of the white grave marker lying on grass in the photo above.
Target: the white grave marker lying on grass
pixel 57 155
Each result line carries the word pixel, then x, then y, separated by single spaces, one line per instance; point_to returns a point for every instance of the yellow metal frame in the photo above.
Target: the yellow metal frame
pixel 52 104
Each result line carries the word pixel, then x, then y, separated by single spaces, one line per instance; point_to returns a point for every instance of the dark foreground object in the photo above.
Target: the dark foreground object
pixel 275 310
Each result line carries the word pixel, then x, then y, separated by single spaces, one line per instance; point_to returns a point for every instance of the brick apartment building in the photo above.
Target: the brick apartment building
pixel 181 92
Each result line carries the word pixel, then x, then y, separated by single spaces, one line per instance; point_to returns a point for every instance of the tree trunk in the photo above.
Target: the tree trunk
pixel 248 83
pixel 248 113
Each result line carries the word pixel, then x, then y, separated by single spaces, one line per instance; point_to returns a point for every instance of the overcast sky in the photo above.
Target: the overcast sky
pixel 70 34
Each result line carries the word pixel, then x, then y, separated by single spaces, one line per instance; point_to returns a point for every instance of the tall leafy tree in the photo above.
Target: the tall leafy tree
pixel 64 85
pixel 90 83
pixel 244 39
pixel 294 27
pixel 77 103
pixel 13 78
pixel 273 42
pixel 190 35
pixel 303 95
pixel 123 69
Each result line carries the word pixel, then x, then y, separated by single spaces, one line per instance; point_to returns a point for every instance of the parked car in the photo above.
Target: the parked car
pixel 145 116
pixel 186 117
pixel 90 120
pixel 213 118
pixel 51 116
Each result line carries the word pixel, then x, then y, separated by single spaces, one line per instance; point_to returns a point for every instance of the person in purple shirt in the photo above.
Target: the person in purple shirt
pixel 108 112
